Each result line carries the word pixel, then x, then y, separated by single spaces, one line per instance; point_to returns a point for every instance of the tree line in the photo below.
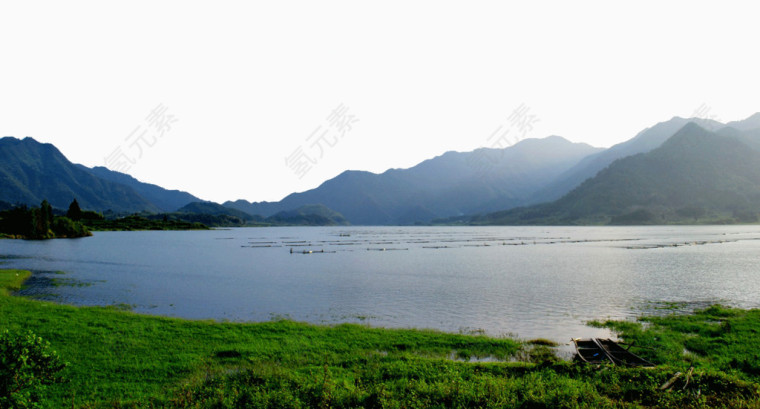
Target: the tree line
pixel 41 223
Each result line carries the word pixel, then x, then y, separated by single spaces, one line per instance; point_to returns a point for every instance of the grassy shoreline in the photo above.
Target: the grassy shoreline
pixel 123 359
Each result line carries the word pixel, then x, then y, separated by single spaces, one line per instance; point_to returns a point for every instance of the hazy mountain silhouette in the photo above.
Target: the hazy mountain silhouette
pixel 455 183
pixel 644 141
pixel 749 124
pixel 696 174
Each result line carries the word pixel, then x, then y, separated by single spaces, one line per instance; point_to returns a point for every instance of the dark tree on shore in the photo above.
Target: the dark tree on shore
pixel 42 220
pixel 75 212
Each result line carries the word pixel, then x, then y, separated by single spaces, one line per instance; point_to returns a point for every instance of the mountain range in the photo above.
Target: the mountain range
pixel 696 175
pixel 165 200
pixel 643 142
pixel 678 170
pixel 31 172
pixel 455 183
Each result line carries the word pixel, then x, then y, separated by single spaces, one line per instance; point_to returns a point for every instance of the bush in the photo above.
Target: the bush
pixel 27 365
pixel 65 227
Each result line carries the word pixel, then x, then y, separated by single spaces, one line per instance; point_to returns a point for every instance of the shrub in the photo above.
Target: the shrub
pixel 65 227
pixel 27 365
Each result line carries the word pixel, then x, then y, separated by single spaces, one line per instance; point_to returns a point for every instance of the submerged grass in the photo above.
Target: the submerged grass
pixel 12 280
pixel 123 360
pixel 716 338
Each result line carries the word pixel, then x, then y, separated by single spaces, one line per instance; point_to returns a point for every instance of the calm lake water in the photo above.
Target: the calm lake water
pixel 525 281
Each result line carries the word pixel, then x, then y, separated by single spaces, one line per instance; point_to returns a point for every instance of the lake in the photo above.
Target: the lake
pixel 522 281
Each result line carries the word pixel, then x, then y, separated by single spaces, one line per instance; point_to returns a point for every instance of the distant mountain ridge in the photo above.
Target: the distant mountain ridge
pixel 695 174
pixel 31 172
pixel 749 124
pixel 452 185
pixel 164 199
pixel 455 183
pixel 645 141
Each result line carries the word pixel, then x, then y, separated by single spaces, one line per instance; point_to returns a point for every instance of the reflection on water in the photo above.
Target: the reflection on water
pixel 529 282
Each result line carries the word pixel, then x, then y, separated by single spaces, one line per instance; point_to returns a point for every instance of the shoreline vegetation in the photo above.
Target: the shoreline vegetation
pixel 138 222
pixel 119 359
pixel 45 222
pixel 39 223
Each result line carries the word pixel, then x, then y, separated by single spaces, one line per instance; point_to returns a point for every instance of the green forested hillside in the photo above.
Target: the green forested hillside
pixel 309 215
pixel 164 199
pixel 215 209
pixel 31 172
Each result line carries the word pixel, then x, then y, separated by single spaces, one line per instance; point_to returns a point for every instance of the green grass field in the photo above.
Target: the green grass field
pixel 119 359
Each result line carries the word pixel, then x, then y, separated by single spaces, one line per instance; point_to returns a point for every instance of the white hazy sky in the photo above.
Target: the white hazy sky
pixel 248 82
